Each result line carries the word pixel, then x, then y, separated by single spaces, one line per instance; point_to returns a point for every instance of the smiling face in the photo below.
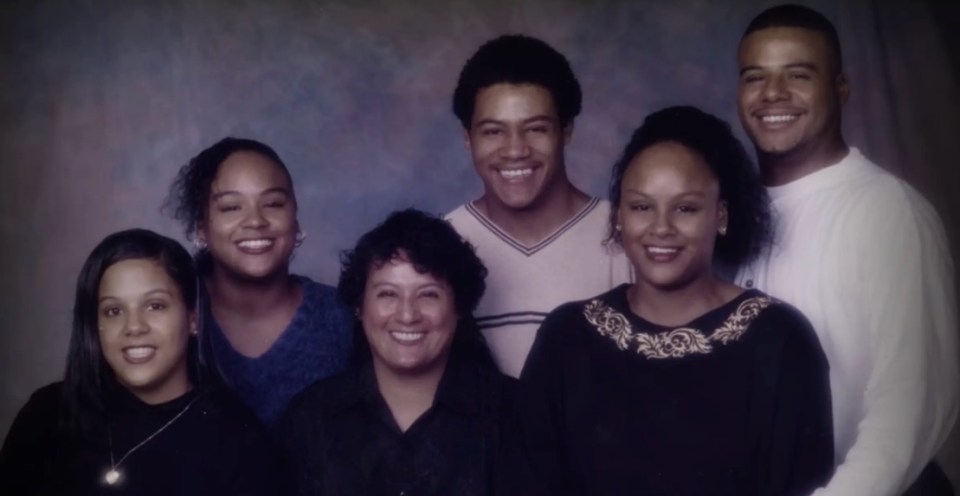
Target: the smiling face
pixel 670 212
pixel 517 145
pixel 251 222
pixel 790 92
pixel 144 329
pixel 408 318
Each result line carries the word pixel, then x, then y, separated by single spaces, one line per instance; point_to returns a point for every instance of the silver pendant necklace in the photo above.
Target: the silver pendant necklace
pixel 113 475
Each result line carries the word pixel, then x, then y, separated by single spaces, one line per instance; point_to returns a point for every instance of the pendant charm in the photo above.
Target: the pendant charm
pixel 112 476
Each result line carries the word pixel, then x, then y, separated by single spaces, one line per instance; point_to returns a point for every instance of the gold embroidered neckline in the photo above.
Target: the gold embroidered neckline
pixel 675 343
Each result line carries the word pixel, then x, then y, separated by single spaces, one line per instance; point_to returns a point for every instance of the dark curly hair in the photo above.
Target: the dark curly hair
pixel 749 223
pixel 799 16
pixel 433 247
pixel 517 59
pixel 189 196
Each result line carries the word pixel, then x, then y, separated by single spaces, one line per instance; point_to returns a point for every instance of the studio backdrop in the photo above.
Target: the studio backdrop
pixel 102 101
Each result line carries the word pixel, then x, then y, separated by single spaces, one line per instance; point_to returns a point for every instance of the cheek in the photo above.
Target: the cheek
pixel 374 316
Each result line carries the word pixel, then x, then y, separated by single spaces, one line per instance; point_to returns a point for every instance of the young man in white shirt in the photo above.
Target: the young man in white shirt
pixel 541 238
pixel 860 252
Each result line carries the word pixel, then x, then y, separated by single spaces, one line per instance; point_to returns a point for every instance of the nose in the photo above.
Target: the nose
pixel 516 146
pixel 135 324
pixel 663 224
pixel 775 89
pixel 409 312
pixel 255 218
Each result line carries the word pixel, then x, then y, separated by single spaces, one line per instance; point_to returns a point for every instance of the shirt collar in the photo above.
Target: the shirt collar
pixel 458 391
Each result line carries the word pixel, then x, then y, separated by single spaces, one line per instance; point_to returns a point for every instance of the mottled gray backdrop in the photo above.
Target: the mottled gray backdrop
pixel 101 101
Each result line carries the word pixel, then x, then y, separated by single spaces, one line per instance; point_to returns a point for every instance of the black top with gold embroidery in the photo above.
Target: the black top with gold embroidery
pixel 735 402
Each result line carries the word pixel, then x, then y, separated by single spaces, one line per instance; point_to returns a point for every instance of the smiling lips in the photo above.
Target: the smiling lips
pixel 407 337
pixel 662 254
pixel 255 246
pixel 139 354
pixel 778 119
pixel 514 175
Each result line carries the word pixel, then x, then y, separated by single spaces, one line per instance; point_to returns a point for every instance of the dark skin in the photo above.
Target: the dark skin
pixel 791 91
pixel 250 227
pixel 517 143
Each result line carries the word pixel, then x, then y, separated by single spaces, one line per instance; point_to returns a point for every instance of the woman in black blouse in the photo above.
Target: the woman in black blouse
pixel 681 383
pixel 422 410
pixel 130 417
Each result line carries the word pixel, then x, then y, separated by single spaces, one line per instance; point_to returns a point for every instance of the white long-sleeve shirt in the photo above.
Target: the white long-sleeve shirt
pixel 865 257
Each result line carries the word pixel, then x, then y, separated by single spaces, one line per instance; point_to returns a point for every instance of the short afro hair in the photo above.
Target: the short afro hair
pixel 518 59
pixel 799 16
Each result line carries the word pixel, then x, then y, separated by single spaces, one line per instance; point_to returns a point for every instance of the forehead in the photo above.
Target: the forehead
pixel 399 270
pixel 513 101
pixel 247 170
pixel 779 46
pixel 133 277
pixel 666 166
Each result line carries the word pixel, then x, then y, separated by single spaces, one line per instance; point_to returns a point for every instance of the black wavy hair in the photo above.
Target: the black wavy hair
pixel 799 16
pixel 518 59
pixel 88 376
pixel 749 222
pixel 433 247
pixel 189 198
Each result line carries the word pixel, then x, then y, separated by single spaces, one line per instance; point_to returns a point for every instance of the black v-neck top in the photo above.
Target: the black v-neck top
pixel 737 402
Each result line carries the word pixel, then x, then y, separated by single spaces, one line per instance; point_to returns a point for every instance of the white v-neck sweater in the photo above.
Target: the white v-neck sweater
pixel 525 283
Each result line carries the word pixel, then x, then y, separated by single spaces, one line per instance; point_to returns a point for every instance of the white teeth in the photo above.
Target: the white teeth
pixel 139 352
pixel 407 336
pixel 515 173
pixel 255 243
pixel 773 119
pixel 663 251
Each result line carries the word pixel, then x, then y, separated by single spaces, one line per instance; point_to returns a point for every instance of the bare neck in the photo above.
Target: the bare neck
pixel 675 307
pixel 532 224
pixel 780 169
pixel 407 396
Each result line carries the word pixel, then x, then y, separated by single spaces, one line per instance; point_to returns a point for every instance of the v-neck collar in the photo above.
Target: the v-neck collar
pixel 531 249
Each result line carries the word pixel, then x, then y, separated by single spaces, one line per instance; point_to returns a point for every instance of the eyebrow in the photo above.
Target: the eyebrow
pixel 148 293
pixel 686 193
pixel 278 189
pixel 536 118
pixel 795 65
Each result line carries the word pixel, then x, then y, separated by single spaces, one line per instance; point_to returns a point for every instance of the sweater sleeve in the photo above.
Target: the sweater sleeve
pixel 797 447
pixel 28 443
pixel 906 299
pixel 540 466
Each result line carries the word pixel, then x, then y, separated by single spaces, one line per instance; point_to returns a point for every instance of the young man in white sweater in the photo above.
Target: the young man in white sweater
pixel 541 238
pixel 860 252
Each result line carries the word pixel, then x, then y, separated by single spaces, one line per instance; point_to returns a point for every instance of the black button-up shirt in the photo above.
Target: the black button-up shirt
pixel 343 440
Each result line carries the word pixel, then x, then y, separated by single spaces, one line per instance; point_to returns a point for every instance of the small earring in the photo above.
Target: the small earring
pixel 722 230
pixel 618 228
pixel 301 236
pixel 199 244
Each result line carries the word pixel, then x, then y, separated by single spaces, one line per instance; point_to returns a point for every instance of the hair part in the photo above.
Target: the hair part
pixel 749 223
pixel 518 59
pixel 799 16
pixel 87 375
pixel 188 200
pixel 433 247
